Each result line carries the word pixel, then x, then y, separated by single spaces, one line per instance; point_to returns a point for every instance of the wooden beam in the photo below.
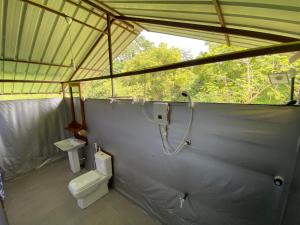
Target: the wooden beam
pixel 269 50
pixel 30 81
pixel 221 18
pixel 213 29
pixel 61 14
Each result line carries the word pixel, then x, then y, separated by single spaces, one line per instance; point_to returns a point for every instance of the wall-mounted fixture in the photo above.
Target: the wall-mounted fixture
pixel 279 78
pixel 163 129
pixel 285 78
pixel 161 113
pixel 278 181
pixel 161 117
pixel 294 57
pixel 182 199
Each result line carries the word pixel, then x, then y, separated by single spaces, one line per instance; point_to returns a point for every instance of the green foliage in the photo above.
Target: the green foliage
pixel 241 81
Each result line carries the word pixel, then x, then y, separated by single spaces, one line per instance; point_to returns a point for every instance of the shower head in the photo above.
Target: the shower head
pixel 185 94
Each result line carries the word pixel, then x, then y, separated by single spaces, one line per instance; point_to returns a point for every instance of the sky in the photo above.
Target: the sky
pixel 192 45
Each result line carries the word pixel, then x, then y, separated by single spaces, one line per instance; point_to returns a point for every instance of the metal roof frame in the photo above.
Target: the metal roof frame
pixel 214 29
pixel 128 24
pixel 269 50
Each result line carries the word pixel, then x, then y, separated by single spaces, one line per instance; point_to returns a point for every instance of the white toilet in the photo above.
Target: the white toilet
pixel 92 185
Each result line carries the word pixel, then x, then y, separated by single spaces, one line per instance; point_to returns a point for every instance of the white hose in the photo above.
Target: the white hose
pixel 167 148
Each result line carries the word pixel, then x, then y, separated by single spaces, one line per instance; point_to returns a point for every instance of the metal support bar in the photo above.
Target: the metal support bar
pixel 111 70
pixel 221 18
pixel 33 62
pixel 82 110
pixel 63 90
pixel 39 93
pixel 60 14
pixel 119 24
pixel 269 50
pixel 31 81
pixel 43 64
pixel 292 88
pixel 72 104
pixel 97 6
pixel 223 30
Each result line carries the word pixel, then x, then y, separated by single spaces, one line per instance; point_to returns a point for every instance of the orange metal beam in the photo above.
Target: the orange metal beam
pixel 221 18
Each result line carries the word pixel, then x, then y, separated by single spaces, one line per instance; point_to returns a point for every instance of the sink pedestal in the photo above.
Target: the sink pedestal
pixel 71 145
pixel 74 161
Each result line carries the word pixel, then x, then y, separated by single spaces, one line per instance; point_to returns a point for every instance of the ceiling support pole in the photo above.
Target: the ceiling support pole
pixel 111 70
pixel 31 81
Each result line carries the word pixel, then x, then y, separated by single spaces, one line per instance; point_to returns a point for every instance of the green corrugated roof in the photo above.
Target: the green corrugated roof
pixel 272 16
pixel 29 33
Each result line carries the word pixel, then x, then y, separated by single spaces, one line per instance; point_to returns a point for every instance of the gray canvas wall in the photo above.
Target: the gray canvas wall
pixel 227 172
pixel 3 217
pixel 28 129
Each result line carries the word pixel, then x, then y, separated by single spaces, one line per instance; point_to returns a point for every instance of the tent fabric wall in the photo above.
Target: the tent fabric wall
pixel 3 217
pixel 28 130
pixel 227 172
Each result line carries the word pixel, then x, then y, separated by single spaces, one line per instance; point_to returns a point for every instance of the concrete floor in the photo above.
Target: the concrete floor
pixel 42 198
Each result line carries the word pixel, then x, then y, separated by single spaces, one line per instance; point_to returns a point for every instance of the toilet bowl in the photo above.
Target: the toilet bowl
pixel 92 185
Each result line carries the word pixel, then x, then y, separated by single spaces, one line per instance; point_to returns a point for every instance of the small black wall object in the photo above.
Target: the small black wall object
pixel 278 181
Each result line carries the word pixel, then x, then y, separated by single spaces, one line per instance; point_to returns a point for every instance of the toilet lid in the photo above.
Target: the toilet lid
pixel 85 181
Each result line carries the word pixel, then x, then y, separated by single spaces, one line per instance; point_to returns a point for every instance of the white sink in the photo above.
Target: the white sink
pixel 71 145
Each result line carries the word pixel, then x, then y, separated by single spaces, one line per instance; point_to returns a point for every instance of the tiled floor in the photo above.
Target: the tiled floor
pixel 42 198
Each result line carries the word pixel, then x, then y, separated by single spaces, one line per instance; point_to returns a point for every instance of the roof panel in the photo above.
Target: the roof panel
pixel 198 7
pixel 274 16
pixel 35 34
pixel 41 36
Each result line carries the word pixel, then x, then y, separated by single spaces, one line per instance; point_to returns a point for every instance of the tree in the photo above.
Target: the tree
pixel 240 81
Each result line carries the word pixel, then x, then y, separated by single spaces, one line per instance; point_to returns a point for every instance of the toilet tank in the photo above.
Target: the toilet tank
pixel 103 163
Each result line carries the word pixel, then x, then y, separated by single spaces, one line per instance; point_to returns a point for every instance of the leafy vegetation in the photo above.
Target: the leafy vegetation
pixel 243 81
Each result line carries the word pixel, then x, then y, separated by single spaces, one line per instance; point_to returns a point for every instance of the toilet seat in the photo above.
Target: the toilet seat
pixel 85 183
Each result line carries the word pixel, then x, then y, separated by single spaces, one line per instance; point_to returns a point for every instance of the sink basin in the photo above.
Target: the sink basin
pixel 71 145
